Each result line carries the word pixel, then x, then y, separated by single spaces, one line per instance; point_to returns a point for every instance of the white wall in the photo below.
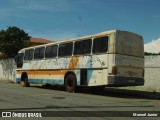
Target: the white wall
pixel 7 69
pixel 152 73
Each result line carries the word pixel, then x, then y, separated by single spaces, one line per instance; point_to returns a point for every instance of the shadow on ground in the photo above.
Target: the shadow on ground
pixel 112 92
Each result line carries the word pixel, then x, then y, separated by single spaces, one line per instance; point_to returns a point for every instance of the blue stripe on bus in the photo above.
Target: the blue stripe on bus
pixel 18 80
pixel 50 81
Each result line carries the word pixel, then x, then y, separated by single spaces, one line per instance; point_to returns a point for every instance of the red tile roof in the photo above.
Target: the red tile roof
pixel 39 40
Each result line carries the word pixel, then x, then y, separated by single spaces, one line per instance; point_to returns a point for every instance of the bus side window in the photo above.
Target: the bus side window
pixel 48 52
pixel 100 45
pixel 39 53
pixel 87 46
pixel 26 57
pixel 54 51
pixel 36 53
pixel 31 54
pixel 61 50
pixel 51 51
pixel 96 45
pixel 104 44
pixel 78 47
pixel 28 54
pixel 20 60
pixel 69 48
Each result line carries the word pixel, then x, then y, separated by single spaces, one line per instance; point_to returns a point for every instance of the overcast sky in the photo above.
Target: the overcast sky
pixel 63 19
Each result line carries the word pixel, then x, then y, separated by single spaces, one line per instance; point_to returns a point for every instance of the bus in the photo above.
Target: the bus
pixel 111 58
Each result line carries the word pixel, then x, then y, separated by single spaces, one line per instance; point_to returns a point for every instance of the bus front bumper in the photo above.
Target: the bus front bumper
pixel 125 81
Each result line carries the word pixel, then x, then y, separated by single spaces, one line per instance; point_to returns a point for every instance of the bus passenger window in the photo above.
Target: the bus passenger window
pixel 96 45
pixel 48 52
pixel 87 46
pixel 36 53
pixel 39 53
pixel 104 44
pixel 19 60
pixel 28 55
pixel 54 51
pixel 31 54
pixel 51 51
pixel 61 51
pixel 78 47
pixel 69 48
pixel 100 45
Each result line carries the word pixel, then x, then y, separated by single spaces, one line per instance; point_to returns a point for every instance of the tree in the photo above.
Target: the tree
pixel 12 40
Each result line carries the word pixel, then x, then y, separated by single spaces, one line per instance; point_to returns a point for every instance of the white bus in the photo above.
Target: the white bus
pixel 110 58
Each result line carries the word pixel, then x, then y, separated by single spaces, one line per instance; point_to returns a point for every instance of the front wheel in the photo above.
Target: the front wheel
pixel 24 80
pixel 70 83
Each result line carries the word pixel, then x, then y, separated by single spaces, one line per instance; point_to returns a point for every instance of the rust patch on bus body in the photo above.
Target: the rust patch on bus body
pixel 73 62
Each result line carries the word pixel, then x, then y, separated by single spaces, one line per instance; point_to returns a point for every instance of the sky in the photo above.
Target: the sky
pixel 63 19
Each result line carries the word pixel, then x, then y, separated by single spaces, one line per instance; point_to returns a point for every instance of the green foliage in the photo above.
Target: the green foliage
pixel 12 40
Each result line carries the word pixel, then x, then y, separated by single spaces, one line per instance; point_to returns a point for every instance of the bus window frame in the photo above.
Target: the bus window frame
pixel 39 51
pixel 100 52
pixel 29 57
pixel 65 55
pixel 51 51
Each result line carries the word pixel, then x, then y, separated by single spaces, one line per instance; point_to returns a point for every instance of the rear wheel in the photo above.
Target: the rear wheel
pixel 70 83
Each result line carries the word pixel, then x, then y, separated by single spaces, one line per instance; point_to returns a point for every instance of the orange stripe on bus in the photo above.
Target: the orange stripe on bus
pixel 42 72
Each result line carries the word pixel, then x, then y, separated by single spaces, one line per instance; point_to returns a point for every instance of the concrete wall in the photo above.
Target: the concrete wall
pixel 7 69
pixel 152 73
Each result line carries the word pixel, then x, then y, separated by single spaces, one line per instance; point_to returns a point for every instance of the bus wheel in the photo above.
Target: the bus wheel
pixel 70 83
pixel 25 82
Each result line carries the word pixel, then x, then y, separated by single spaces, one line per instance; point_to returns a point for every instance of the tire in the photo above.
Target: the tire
pixel 26 83
pixel 70 83
pixel 24 80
